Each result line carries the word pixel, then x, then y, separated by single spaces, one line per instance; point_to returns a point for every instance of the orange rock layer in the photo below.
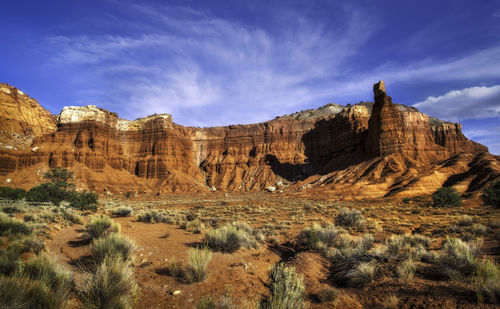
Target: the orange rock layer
pixel 364 150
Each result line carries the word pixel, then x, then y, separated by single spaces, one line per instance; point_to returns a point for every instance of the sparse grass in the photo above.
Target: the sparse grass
pixel 406 270
pixel 362 274
pixel 197 264
pixel 99 226
pixel 316 237
pixel 488 282
pixel 195 226
pixel 286 289
pixel 350 218
pixel 122 211
pixel 402 246
pixel 391 301
pixel 465 221
pixel 153 216
pixel 114 246
pixel 70 216
pixel 48 273
pixel 458 258
pixel 112 285
pixel 13 226
pixel 230 238
pixel 328 295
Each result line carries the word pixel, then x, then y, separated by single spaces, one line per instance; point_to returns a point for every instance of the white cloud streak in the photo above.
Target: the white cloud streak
pixel 468 103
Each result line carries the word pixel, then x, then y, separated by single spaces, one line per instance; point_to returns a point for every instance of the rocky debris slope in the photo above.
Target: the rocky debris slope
pixel 362 150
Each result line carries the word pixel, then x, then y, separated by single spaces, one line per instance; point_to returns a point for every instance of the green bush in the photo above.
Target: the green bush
pixel 114 246
pixel 491 195
pixel 350 218
pixel 82 200
pixel 12 193
pixel 446 197
pixel 99 226
pixel 47 192
pixel 111 285
pixel 287 289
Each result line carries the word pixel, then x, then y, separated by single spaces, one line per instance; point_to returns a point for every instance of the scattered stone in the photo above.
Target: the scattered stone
pixel 271 188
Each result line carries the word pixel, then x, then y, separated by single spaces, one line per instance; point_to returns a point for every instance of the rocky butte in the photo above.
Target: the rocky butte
pixel 367 150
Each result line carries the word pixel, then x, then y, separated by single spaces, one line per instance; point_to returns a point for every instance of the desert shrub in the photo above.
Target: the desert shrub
pixel 99 226
pixel 9 262
pixel 12 209
pixel 46 271
pixel 286 289
pixel 362 274
pixel 12 193
pixel 20 292
pixel 391 301
pixel 197 264
pixel 446 197
pixel 328 295
pixel 153 216
pixel 111 285
pixel 195 226
pixel 491 195
pixel 402 246
pixel 84 200
pixel 350 218
pixel 229 238
pixel 59 176
pixel 458 258
pixel 488 282
pixel 175 269
pixel 465 221
pixel 406 270
pixel 72 217
pixel 122 211
pixel 14 226
pixel 114 246
pixel 316 237
pixel 30 218
pixel 206 302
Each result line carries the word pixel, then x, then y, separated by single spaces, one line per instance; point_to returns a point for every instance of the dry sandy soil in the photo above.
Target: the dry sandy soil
pixel 243 275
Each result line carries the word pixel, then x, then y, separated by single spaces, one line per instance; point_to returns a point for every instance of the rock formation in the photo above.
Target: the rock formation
pixel 363 150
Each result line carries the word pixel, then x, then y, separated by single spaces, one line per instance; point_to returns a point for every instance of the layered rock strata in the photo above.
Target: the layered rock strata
pixel 387 146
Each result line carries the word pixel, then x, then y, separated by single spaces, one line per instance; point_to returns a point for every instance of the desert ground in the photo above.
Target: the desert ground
pixel 391 232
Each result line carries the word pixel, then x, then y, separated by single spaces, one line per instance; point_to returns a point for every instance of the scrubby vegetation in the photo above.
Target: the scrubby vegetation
pixel 286 287
pixel 491 195
pixel 350 218
pixel 10 226
pixel 114 246
pixel 111 285
pixel 153 216
pixel 12 193
pixel 488 282
pixel 446 197
pixel 122 211
pixel 196 269
pixel 317 237
pixel 458 258
pixel 232 237
pixel 99 226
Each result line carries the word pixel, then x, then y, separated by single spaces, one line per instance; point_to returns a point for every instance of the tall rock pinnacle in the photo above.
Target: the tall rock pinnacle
pixel 385 128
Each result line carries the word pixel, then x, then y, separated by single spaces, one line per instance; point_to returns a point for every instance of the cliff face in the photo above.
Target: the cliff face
pixel 383 146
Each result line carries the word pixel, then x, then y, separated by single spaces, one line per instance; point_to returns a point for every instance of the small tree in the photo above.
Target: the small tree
pixel 491 195
pixel 61 177
pixel 446 197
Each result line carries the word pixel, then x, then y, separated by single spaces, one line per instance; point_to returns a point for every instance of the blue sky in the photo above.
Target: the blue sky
pixel 228 62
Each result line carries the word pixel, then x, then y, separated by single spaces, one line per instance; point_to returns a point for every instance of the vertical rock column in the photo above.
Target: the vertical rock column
pixel 385 127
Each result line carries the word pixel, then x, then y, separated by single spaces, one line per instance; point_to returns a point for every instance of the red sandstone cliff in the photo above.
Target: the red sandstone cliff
pixel 366 150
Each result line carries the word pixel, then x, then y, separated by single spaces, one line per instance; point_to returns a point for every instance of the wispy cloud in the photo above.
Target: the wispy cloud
pixel 468 103
pixel 197 64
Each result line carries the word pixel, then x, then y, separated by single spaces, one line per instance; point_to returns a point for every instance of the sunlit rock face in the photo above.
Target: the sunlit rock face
pixel 363 150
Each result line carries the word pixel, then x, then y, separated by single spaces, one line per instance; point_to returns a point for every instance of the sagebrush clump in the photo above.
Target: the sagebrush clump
pixel 286 287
